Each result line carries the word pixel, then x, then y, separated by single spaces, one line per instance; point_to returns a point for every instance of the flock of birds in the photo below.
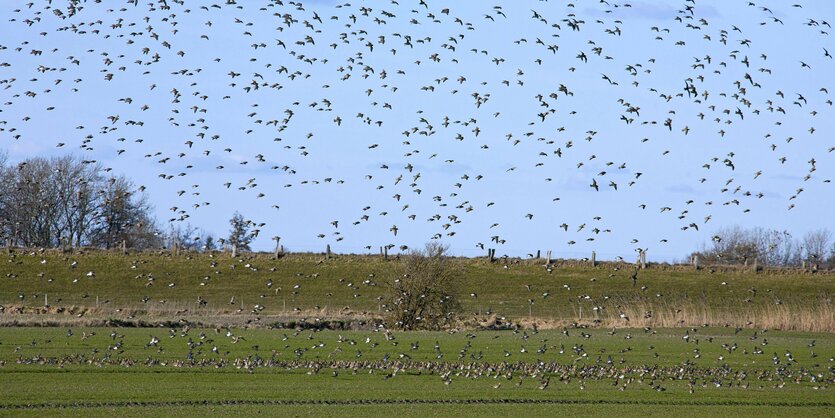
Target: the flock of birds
pixel 477 120
pixel 384 354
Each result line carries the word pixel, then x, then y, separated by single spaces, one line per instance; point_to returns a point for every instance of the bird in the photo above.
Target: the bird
pixel 445 143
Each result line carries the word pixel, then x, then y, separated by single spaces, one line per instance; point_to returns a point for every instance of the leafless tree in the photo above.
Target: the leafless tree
pixel 816 244
pixel 66 200
pixel 737 245
pixel 28 203
pixel 188 237
pixel 76 199
pixel 123 214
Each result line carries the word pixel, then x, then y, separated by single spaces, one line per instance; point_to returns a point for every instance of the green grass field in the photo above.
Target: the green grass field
pixel 132 339
pixel 629 371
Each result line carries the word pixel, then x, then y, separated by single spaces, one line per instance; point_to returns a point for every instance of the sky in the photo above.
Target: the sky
pixel 459 122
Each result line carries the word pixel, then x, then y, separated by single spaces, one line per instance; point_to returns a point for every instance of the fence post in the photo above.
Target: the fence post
pixel 756 264
pixel 234 250
pixel 8 245
pixel 124 247
pixel 277 246
pixel 548 257
pixel 593 259
pixel 328 251
pixel 696 262
pixel 385 252
pixel 538 254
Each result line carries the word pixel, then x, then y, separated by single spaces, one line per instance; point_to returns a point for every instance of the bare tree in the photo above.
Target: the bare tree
pixel 28 205
pixel 422 298
pixel 736 245
pixel 816 244
pixel 189 237
pixel 776 248
pixel 123 214
pixel 75 197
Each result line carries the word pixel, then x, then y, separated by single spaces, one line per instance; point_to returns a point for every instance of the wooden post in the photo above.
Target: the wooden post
pixel 234 250
pixel 8 245
pixel 548 257
pixel 538 255
pixel 756 264
pixel 385 252
pixel 328 251
pixel 381 251
pixel 696 262
pixel 492 255
pixel 277 246
pixel 803 264
pixel 124 247
pixel 593 259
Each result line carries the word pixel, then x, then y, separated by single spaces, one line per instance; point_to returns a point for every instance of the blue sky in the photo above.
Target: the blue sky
pixel 517 165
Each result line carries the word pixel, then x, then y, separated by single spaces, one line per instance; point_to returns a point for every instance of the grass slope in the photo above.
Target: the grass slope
pixel 149 285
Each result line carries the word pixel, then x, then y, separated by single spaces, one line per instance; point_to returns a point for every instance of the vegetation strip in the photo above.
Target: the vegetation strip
pixel 278 402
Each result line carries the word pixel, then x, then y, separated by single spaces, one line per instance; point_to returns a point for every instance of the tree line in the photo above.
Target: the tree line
pixel 769 247
pixel 67 201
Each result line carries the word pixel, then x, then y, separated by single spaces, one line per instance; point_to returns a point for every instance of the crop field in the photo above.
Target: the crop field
pixel 149 334
pixel 236 371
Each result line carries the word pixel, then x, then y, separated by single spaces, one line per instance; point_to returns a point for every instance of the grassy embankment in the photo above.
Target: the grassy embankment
pixel 160 286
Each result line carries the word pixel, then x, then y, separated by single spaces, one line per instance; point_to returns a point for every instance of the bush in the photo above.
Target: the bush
pixel 422 298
